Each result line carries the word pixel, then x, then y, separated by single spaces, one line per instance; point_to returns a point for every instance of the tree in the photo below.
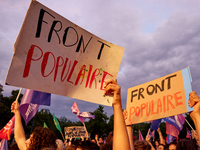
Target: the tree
pixel 99 124
pixel 5 104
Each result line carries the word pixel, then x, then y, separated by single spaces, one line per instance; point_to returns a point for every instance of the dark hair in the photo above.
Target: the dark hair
pixel 106 146
pixel 88 145
pixel 142 145
pixel 186 144
pixel 109 137
pixel 42 138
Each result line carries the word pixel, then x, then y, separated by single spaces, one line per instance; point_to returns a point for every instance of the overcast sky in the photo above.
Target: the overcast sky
pixel 159 37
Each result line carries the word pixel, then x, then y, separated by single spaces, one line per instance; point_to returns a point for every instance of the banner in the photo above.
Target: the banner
pixel 51 51
pixel 160 98
pixel 74 132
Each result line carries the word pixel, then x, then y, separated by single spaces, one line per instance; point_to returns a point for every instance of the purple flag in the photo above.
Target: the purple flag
pixel 30 103
pixel 36 97
pixel 155 124
pixel 177 121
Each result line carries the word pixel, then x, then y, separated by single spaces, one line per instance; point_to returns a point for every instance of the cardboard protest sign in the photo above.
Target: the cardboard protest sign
pixel 75 132
pixel 54 55
pixel 160 98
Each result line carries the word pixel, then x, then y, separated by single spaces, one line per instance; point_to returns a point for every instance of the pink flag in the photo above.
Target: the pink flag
pixel 4 144
pixel 81 115
pixel 172 130
pixel 6 131
pixel 140 136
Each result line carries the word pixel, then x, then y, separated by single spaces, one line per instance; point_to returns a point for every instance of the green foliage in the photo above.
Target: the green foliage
pixel 99 124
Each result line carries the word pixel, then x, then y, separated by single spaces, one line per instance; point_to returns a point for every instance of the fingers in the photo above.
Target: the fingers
pixel 193 98
pixel 111 86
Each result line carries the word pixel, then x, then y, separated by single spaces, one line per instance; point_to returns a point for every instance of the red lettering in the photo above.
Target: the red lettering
pixel 93 78
pixel 137 111
pixel 58 65
pixel 83 68
pixel 148 111
pixel 169 98
pixel 152 113
pixel 164 106
pixel 44 63
pixel 72 70
pixel 143 106
pixel 103 79
pixel 30 58
pixel 131 113
pixel 178 98
pixel 64 67
pixel 159 105
pixel 88 77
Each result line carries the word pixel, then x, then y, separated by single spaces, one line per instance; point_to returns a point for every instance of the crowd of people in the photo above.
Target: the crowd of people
pixel 121 138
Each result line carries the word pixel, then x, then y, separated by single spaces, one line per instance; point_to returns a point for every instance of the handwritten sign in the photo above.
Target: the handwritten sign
pixel 74 132
pixel 56 56
pixel 163 97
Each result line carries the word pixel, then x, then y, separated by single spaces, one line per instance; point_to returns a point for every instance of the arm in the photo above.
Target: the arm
pixel 194 100
pixel 97 140
pixel 148 138
pixel 162 141
pixel 129 130
pixel 18 130
pixel 120 137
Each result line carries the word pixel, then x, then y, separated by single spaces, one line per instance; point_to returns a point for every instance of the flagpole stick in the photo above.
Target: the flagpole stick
pixel 84 126
pixel 62 136
pixel 18 94
pixel 190 125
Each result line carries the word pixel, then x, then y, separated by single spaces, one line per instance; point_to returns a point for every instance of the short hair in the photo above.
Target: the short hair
pixel 60 144
pixel 142 145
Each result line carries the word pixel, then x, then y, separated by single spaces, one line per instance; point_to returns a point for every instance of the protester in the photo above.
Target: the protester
pixel 186 144
pixel 148 139
pixel 40 138
pixel 141 145
pixel 172 145
pixel 120 135
pixel 60 144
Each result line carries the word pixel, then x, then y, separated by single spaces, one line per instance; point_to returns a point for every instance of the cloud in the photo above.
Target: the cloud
pixel 159 37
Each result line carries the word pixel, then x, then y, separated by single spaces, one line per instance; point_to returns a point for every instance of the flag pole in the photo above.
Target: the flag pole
pixel 190 125
pixel 18 94
pixel 84 126
pixel 62 136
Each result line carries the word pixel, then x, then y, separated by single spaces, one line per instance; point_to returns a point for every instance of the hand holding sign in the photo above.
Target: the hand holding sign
pixel 193 98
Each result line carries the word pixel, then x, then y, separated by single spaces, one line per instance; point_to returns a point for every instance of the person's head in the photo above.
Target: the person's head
pixel 88 145
pixel 186 144
pixel 172 145
pixel 106 146
pixel 142 145
pixel 161 147
pixel 60 144
pixel 70 147
pixel 100 140
pixel 156 143
pixel 41 138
